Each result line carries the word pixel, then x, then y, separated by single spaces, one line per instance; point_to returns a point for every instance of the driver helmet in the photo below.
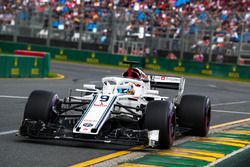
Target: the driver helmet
pixel 129 90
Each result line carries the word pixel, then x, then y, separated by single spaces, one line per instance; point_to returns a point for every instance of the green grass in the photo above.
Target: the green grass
pixel 52 75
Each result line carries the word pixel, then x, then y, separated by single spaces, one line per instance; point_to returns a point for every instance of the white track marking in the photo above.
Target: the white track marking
pixel 230 103
pixel 13 97
pixel 8 132
pixel 212 86
pixel 228 156
pixel 231 112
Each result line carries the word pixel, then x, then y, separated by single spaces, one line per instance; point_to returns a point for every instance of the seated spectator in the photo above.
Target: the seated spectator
pixel 246 36
pixel 229 20
pixel 219 58
pixel 242 61
pixel 198 57
pixel 104 37
pixel 171 56
pixel 91 26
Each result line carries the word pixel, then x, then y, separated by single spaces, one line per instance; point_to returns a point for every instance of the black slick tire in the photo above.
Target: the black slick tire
pixel 194 112
pixel 39 106
pixel 160 115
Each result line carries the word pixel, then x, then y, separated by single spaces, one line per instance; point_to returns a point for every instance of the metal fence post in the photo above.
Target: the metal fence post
pixel 210 46
pixel 211 39
pixel 16 26
pixel 49 26
pixel 81 26
pixel 182 37
pixel 113 34
pixel 240 42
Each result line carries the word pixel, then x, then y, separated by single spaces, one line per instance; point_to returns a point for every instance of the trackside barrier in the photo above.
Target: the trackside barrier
pixel 73 54
pixel 201 68
pixel 24 63
pixel 155 63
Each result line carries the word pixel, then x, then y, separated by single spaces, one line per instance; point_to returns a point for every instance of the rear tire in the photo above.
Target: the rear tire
pixel 39 106
pixel 160 115
pixel 194 112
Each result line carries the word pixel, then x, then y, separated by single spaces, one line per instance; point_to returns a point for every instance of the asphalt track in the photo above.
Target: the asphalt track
pixel 230 101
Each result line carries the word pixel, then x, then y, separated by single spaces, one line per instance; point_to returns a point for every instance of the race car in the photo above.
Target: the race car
pixel 127 109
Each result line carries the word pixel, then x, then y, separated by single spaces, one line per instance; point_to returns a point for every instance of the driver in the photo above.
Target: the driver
pixel 129 90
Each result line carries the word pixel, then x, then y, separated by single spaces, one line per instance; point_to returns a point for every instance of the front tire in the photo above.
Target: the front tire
pixel 160 115
pixel 39 106
pixel 194 112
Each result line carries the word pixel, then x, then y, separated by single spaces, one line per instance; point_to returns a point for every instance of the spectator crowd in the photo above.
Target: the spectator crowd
pixel 228 19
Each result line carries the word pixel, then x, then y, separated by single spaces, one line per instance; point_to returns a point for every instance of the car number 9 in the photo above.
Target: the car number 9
pixel 104 98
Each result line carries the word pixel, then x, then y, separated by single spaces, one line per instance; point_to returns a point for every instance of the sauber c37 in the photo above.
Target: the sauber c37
pixel 126 110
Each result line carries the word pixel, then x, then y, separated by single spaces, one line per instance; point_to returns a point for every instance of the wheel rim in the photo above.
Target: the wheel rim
pixel 171 127
pixel 54 102
pixel 207 118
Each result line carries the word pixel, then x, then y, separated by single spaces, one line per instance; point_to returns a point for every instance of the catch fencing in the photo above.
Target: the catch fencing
pixel 120 32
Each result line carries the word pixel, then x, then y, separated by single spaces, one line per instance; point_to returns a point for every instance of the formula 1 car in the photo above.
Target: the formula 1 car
pixel 126 110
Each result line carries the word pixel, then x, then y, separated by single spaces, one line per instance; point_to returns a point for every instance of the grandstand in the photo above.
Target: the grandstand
pixel 199 30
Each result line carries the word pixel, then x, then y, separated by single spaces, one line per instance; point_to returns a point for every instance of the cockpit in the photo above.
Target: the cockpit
pixel 122 86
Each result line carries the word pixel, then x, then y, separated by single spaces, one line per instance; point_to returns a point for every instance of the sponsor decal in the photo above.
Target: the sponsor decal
pixel 35 62
pixel 180 67
pixel 87 124
pixel 35 71
pixel 234 73
pixel 15 71
pixel 153 66
pixel 87 110
pixel 105 112
pixel 16 62
pixel 120 63
pixel 84 129
pixel 61 55
pixel 93 59
pixel 207 70
pixel 173 79
pixel 29 47
pixel 100 105
pixel 155 61
pixel 164 78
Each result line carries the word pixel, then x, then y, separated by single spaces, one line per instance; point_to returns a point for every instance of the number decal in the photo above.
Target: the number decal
pixel 104 98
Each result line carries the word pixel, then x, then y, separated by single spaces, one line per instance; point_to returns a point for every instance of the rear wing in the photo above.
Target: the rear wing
pixel 166 82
